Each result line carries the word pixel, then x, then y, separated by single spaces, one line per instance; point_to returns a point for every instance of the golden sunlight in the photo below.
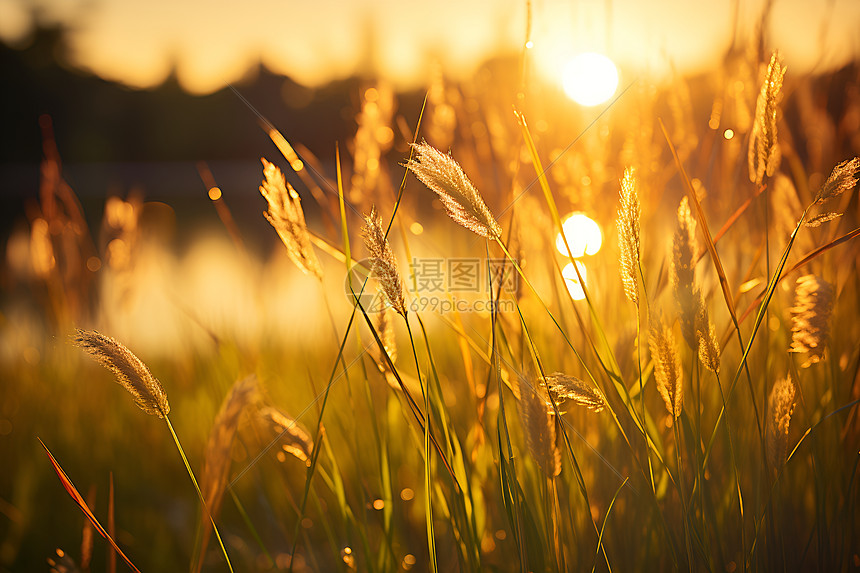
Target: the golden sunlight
pixel 590 79
pixel 583 236
pixel 571 280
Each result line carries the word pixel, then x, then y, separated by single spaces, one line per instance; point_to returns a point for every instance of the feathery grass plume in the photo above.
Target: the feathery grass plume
pixel 285 214
pixel 131 373
pixel 843 178
pixel 384 262
pixel 291 438
pixel 813 303
pixel 565 387
pixel 216 463
pixel 780 406
pixel 667 367
pixel 819 220
pixel 539 427
pixel 764 155
pixel 706 336
pixel 628 235
pixel 444 176
pixel 683 273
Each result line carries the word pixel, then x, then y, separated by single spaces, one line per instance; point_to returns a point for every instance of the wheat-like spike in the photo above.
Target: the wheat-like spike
pixel 683 272
pixel 384 261
pixel 566 387
pixel 819 220
pixel 285 214
pixel 706 336
pixel 667 368
pixel 843 178
pixel 539 427
pixel 291 438
pixel 628 235
pixel 444 176
pixel 764 155
pixel 131 373
pixel 813 304
pixel 780 406
pixel 216 463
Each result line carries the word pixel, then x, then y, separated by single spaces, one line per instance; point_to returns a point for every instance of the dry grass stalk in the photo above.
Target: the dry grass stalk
pixel 780 408
pixel 667 368
pixel 565 387
pixel 813 304
pixel 764 155
pixel 216 464
pixel 292 439
pixel 131 373
pixel 539 427
pixel 285 214
pixel 843 178
pixel 384 262
pixel 444 176
pixel 628 235
pixel 683 273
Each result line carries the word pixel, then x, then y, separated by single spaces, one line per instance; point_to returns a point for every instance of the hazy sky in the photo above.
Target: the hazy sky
pixel 210 42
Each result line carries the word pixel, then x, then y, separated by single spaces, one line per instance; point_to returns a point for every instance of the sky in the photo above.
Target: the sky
pixel 210 42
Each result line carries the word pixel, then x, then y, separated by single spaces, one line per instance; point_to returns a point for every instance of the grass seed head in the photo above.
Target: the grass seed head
pixel 131 373
pixel 683 272
pixel 813 304
pixel 667 368
pixel 384 261
pixel 764 155
pixel 564 387
pixel 285 214
pixel 628 235
pixel 291 438
pixel 444 176
pixel 539 427
pixel 780 408
pixel 843 178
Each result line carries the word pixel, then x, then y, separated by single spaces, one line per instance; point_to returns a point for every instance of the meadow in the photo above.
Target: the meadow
pixel 426 373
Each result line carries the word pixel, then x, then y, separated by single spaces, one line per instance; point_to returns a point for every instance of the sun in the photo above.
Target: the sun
pixel 590 79
pixel 582 233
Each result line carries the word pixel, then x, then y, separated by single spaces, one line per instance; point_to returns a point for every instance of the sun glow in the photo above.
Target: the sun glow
pixel 590 79
pixel 571 280
pixel 583 236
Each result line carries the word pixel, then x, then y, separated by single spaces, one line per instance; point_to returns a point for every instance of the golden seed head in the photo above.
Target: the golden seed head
pixel 539 426
pixel 288 435
pixel 565 387
pixel 763 156
pixel 780 408
pixel 813 304
pixel 444 176
pixel 285 214
pixel 667 368
pixel 131 373
pixel 843 178
pixel 627 222
pixel 706 335
pixel 384 261
pixel 683 272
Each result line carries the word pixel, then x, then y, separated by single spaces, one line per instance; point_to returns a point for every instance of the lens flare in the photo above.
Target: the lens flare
pixel 582 233
pixel 590 79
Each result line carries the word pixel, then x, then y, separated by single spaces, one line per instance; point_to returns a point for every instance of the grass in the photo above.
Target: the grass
pixel 515 428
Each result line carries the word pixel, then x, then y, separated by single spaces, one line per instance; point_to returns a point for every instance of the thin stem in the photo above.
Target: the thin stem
pixel 199 493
